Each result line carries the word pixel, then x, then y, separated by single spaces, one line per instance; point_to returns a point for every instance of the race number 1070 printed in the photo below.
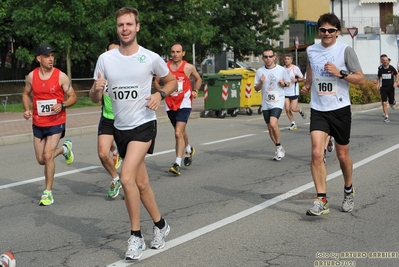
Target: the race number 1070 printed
pixel 126 93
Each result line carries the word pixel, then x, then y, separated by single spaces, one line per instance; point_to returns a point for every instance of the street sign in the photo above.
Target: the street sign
pixel 352 32
pixel 296 42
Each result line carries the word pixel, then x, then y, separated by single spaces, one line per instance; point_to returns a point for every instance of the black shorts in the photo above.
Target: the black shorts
pixel 179 115
pixel 105 126
pixel 387 93
pixel 143 133
pixel 274 112
pixel 43 132
pixel 293 97
pixel 337 123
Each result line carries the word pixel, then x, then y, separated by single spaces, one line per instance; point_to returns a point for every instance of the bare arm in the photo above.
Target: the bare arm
pixel 170 83
pixel 356 78
pixel 308 82
pixel 191 71
pixel 68 90
pixel 156 84
pixel 26 96
pixel 97 90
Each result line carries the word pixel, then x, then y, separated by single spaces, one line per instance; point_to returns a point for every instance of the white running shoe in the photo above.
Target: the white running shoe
pixel 135 248
pixel 159 236
pixel 279 154
pixel 331 144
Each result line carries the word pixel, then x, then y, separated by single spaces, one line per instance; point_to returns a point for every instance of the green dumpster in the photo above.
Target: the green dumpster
pixel 248 96
pixel 221 94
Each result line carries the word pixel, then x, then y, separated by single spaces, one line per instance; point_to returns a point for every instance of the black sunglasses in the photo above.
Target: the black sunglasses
pixel 329 30
pixel 268 56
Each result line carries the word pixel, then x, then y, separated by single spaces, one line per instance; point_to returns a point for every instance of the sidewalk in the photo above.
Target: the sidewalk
pixel 14 129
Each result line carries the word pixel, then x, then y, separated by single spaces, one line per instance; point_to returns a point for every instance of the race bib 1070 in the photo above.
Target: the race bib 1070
pixel 125 93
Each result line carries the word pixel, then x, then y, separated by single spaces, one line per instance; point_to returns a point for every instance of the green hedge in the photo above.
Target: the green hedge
pixel 360 94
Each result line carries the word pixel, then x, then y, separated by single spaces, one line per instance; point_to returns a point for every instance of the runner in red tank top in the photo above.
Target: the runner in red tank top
pixel 178 105
pixel 48 87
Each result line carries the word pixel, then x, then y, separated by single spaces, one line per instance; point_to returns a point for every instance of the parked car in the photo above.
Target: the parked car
pixel 239 64
pixel 211 62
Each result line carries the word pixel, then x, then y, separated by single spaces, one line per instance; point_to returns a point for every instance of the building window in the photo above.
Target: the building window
pixel 280 6
pixel 281 44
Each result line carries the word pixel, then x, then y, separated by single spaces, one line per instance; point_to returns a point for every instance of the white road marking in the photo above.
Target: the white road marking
pixel 209 228
pixel 34 180
pixel 227 139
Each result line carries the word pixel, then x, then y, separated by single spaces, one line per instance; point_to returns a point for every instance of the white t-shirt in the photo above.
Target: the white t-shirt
pixel 328 92
pixel 272 93
pixel 129 81
pixel 293 89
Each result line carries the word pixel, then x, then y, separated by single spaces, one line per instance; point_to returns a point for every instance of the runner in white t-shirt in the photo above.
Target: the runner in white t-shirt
pixel 272 79
pixel 129 71
pixel 292 91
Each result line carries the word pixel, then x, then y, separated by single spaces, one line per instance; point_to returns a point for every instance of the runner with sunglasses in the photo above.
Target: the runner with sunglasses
pixel 331 67
pixel 272 79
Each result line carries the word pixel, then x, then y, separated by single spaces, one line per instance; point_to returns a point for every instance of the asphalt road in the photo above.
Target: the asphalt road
pixel 234 206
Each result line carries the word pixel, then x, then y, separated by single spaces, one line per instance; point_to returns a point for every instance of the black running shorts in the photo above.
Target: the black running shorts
pixel 143 133
pixel 337 123
pixel 105 126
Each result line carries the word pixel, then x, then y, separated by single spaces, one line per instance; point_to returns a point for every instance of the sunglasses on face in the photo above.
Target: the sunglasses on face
pixel 329 30
pixel 268 56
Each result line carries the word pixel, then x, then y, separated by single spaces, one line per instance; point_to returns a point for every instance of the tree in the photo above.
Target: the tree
pixel 78 29
pixel 166 22
pixel 246 27
pixel 5 34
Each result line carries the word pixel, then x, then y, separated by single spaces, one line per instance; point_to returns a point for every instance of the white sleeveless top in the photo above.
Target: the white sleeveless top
pixel 328 92
pixel 293 89
pixel 129 83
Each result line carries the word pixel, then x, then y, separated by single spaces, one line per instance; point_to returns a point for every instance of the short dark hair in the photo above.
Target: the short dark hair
pixel 289 55
pixel 114 42
pixel 329 18
pixel 178 43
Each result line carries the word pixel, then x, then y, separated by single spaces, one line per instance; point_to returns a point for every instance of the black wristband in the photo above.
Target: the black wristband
pixel 63 106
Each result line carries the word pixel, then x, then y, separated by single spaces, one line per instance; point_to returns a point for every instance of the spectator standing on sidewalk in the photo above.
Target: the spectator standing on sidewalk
pixel 387 82
pixel 129 71
pixel 178 105
pixel 272 79
pixel 105 139
pixel 292 91
pixel 48 87
pixel 331 67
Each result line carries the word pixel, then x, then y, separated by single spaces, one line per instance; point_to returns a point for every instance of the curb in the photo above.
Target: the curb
pixel 26 138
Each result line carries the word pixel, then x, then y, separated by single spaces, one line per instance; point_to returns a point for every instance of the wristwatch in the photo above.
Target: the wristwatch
pixel 63 106
pixel 163 94
pixel 344 74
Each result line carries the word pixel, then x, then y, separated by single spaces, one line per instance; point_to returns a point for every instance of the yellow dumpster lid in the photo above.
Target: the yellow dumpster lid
pixel 245 72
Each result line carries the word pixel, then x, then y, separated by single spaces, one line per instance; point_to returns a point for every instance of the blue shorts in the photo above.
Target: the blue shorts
pixel 179 115
pixel 292 97
pixel 43 132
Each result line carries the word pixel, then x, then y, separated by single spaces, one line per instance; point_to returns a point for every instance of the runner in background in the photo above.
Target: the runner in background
pixel 292 91
pixel 105 138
